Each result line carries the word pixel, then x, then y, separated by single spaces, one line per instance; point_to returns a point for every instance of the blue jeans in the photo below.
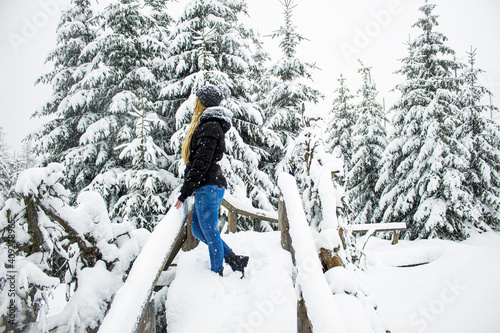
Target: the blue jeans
pixel 205 223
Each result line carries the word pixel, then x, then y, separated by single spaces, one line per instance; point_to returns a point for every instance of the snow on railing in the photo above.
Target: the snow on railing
pixel 243 208
pixel 133 297
pixel 323 312
pixel 237 207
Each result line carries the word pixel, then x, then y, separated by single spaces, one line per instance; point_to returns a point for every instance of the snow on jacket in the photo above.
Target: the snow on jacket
pixel 206 150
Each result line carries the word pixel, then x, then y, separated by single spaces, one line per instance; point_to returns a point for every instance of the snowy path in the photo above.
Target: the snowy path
pixel 262 302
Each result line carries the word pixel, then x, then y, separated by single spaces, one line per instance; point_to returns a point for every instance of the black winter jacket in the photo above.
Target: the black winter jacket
pixel 207 148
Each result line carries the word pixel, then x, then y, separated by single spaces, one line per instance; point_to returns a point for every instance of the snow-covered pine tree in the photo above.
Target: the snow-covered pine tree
pixel 288 92
pixel 424 166
pixel 69 107
pixel 340 124
pixel 118 68
pixel 482 139
pixel 369 140
pixel 131 132
pixel 301 158
pixel 144 182
pixel 209 46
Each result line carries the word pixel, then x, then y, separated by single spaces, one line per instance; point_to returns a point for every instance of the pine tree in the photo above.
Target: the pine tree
pixel 303 158
pixel 67 106
pixel 368 144
pixel 481 137
pixel 340 124
pixel 209 46
pixel 423 173
pixel 117 66
pixel 288 92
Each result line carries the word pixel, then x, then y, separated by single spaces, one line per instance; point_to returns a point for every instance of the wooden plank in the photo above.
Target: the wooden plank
pixel 230 207
pixel 179 242
pixel 148 321
pixel 378 227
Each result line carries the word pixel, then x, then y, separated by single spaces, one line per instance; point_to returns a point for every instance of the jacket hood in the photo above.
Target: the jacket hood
pixel 218 113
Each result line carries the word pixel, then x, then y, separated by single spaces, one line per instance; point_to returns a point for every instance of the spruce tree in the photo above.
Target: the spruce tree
pixel 68 106
pixel 481 137
pixel 368 144
pixel 341 121
pixel 210 46
pixel 288 93
pixel 424 166
pixel 116 65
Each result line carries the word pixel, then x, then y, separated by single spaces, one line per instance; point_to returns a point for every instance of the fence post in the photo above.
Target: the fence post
pixel 284 227
pixel 303 322
pixel 191 241
pixel 148 322
pixel 395 237
pixel 231 220
pixel 256 225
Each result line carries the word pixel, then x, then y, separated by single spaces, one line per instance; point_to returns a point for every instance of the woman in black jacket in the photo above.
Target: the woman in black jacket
pixel 202 149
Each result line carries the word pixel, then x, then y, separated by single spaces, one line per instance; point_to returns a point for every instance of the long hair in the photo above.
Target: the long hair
pixel 199 108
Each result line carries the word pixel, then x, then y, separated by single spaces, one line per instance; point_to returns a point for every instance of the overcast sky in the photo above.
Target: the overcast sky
pixel 339 33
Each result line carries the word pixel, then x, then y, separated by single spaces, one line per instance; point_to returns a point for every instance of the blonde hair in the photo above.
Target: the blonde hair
pixel 199 108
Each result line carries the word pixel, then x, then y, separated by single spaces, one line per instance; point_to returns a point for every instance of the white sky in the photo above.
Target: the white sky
pixel 375 30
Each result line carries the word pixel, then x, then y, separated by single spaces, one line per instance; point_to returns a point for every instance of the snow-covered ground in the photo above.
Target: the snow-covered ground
pixel 456 291
pixel 263 301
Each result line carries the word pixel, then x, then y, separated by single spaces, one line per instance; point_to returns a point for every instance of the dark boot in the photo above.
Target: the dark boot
pixel 237 263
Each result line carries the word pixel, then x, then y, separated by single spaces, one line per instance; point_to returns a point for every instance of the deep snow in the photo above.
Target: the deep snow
pixel 456 291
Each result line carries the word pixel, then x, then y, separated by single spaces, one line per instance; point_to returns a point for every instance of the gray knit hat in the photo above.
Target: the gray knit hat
pixel 211 95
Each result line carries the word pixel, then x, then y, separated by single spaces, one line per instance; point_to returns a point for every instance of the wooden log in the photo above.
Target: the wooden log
pixel 148 321
pixel 330 259
pixel 303 322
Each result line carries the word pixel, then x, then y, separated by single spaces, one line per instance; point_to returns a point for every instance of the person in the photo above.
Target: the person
pixel 202 149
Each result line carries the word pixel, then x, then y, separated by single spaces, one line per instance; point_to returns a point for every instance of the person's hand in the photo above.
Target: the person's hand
pixel 178 204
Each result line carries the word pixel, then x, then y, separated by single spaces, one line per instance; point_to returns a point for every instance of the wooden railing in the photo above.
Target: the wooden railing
pixel 236 207
pixel 371 228
pixel 187 242
pixel 157 255
pixel 309 281
pixel 146 320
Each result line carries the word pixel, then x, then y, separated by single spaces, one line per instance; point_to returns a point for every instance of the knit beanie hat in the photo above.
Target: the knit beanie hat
pixel 211 95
